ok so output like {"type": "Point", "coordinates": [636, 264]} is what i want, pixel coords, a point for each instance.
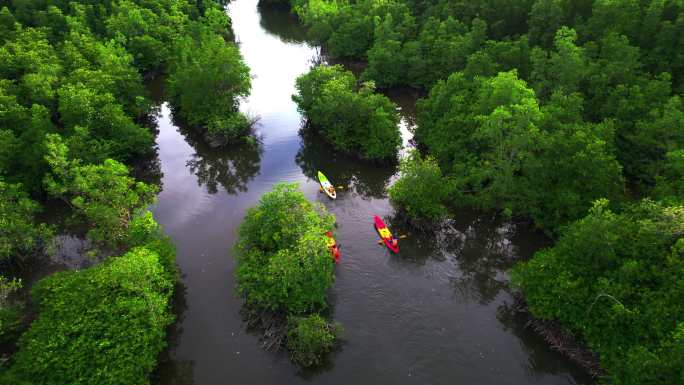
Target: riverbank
{"type": "Point", "coordinates": [558, 339]}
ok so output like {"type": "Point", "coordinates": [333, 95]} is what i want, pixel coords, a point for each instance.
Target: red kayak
{"type": "Point", "coordinates": [391, 242]}
{"type": "Point", "coordinates": [333, 246]}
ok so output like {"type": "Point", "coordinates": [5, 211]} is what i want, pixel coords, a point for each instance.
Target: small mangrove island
{"type": "Point", "coordinates": [284, 270]}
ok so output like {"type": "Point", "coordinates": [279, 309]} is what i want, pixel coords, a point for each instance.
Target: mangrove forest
{"type": "Point", "coordinates": [341, 191]}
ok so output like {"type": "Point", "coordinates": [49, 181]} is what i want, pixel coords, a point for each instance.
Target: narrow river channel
{"type": "Point", "coordinates": [430, 315]}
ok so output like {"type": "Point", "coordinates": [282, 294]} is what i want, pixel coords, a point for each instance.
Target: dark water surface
{"type": "Point", "coordinates": [427, 316]}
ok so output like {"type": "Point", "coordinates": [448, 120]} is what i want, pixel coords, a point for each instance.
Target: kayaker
{"type": "Point", "coordinates": [394, 241]}
{"type": "Point", "coordinates": [331, 189]}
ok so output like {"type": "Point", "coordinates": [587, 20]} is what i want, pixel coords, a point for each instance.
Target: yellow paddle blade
{"type": "Point", "coordinates": [403, 236]}
{"type": "Point", "coordinates": [340, 187]}
{"type": "Point", "coordinates": [379, 242]}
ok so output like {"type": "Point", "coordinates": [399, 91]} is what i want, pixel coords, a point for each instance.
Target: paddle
{"type": "Point", "coordinates": [404, 236]}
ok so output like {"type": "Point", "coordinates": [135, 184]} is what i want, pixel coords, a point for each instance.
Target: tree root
{"type": "Point", "coordinates": [271, 325]}
{"type": "Point", "coordinates": [558, 338]}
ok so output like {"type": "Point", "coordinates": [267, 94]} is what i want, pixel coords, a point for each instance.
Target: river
{"type": "Point", "coordinates": [430, 315]}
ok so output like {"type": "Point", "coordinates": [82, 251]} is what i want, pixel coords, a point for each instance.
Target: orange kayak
{"type": "Point", "coordinates": [334, 247]}
{"type": "Point", "coordinates": [386, 235]}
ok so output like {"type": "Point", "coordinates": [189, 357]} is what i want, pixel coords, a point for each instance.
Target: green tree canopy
{"type": "Point", "coordinates": [354, 120]}
{"type": "Point", "coordinates": [20, 235]}
{"type": "Point", "coordinates": [498, 146]}
{"type": "Point", "coordinates": [104, 195]}
{"type": "Point", "coordinates": [103, 325]}
{"type": "Point", "coordinates": [208, 65]}
{"type": "Point", "coordinates": [421, 190]}
{"type": "Point", "coordinates": [283, 261]}
{"type": "Point", "coordinates": [616, 279]}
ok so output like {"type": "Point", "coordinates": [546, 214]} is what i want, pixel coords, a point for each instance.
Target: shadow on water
{"type": "Point", "coordinates": [540, 361]}
{"type": "Point", "coordinates": [364, 179]}
{"type": "Point", "coordinates": [170, 370]}
{"type": "Point", "coordinates": [278, 21]}
{"type": "Point", "coordinates": [480, 247]}
{"type": "Point", "coordinates": [230, 167]}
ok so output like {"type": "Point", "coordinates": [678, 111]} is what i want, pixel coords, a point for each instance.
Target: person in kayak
{"type": "Point", "coordinates": [394, 241]}
{"type": "Point", "coordinates": [331, 189]}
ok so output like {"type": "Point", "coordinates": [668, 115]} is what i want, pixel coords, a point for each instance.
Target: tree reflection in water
{"type": "Point", "coordinates": [231, 166]}
{"type": "Point", "coordinates": [480, 247]}
{"type": "Point", "coordinates": [277, 20]}
{"type": "Point", "coordinates": [170, 370]}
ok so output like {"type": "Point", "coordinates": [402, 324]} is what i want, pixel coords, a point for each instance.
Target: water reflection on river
{"type": "Point", "coordinates": [426, 316]}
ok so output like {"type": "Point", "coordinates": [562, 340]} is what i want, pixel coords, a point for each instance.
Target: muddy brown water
{"type": "Point", "coordinates": [430, 315]}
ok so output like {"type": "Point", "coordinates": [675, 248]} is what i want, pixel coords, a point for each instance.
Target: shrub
{"type": "Point", "coordinates": [206, 79]}
{"type": "Point", "coordinates": [144, 231]}
{"type": "Point", "coordinates": [10, 313]}
{"type": "Point", "coordinates": [669, 184]}
{"type": "Point", "coordinates": [310, 338]}
{"type": "Point", "coordinates": [283, 261]}
{"type": "Point", "coordinates": [616, 280]}
{"type": "Point", "coordinates": [356, 121]}
{"type": "Point", "coordinates": [421, 190]}
{"type": "Point", "coordinates": [104, 194]}
{"type": "Point", "coordinates": [19, 234]}
{"type": "Point", "coordinates": [103, 325]}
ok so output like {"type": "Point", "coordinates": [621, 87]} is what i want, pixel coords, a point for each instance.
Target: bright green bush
{"type": "Point", "coordinates": [617, 281]}
{"type": "Point", "coordinates": [340, 26]}
{"type": "Point", "coordinates": [103, 325]}
{"type": "Point", "coordinates": [421, 190]}
{"type": "Point", "coordinates": [356, 121]}
{"type": "Point", "coordinates": [144, 231]}
{"type": "Point", "coordinates": [104, 195]}
{"type": "Point", "coordinates": [10, 312]}
{"type": "Point", "coordinates": [310, 339]}
{"type": "Point", "coordinates": [283, 261]}
{"type": "Point", "coordinates": [208, 65]}
{"type": "Point", "coordinates": [19, 234]}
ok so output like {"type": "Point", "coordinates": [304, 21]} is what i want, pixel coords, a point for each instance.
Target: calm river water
{"type": "Point", "coordinates": [430, 315]}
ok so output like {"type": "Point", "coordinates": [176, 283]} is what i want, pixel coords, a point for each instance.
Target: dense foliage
{"type": "Point", "coordinates": [670, 183]}
{"type": "Point", "coordinates": [512, 154]}
{"type": "Point", "coordinates": [352, 118]}
{"type": "Point", "coordinates": [421, 191]}
{"type": "Point", "coordinates": [103, 194]}
{"type": "Point", "coordinates": [104, 325]}
{"type": "Point", "coordinates": [73, 113]}
{"type": "Point", "coordinates": [76, 69]}
{"type": "Point", "coordinates": [617, 280]}
{"type": "Point", "coordinates": [283, 261]}
{"type": "Point", "coordinates": [10, 311]}
{"type": "Point", "coordinates": [539, 108]}
{"type": "Point", "coordinates": [609, 72]}
{"type": "Point", "coordinates": [207, 78]}
{"type": "Point", "coordinates": [19, 234]}
{"type": "Point", "coordinates": [310, 338]}
{"type": "Point", "coordinates": [285, 266]}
